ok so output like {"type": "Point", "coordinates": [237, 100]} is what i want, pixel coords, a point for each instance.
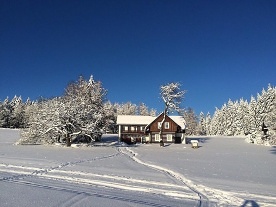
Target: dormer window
{"type": "Point", "coordinates": [166, 125]}
{"type": "Point", "coordinates": [159, 125]}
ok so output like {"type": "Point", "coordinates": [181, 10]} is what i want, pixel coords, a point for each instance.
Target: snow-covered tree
{"type": "Point", "coordinates": [223, 120]}
{"type": "Point", "coordinates": [231, 117]}
{"type": "Point", "coordinates": [208, 120]}
{"type": "Point", "coordinates": [172, 96]}
{"type": "Point", "coordinates": [191, 121]}
{"type": "Point", "coordinates": [28, 105]}
{"type": "Point", "coordinates": [243, 126]}
{"type": "Point", "coordinates": [214, 127]}
{"type": "Point", "coordinates": [152, 112]}
{"type": "Point", "coordinates": [254, 115]}
{"type": "Point", "coordinates": [202, 124]}
{"type": "Point", "coordinates": [82, 108]}
{"type": "Point", "coordinates": [267, 105]}
{"type": "Point", "coordinates": [17, 116]}
{"type": "Point", "coordinates": [12, 113]}
{"type": "Point", "coordinates": [126, 108]}
{"type": "Point", "coordinates": [110, 117]}
{"type": "Point", "coordinates": [242, 118]}
{"type": "Point", "coordinates": [143, 109]}
{"type": "Point", "coordinates": [5, 113]}
{"type": "Point", "coordinates": [78, 114]}
{"type": "Point", "coordinates": [41, 117]}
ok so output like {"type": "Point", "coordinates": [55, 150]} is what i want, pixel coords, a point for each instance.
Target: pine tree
{"type": "Point", "coordinates": [202, 124]}
{"type": "Point", "coordinates": [208, 121]}
{"type": "Point", "coordinates": [242, 118]}
{"type": "Point", "coordinates": [5, 113]}
{"type": "Point", "coordinates": [191, 121]}
{"type": "Point", "coordinates": [109, 117]}
{"type": "Point", "coordinates": [143, 110]}
{"type": "Point", "coordinates": [218, 121]}
{"type": "Point", "coordinates": [243, 126]}
{"type": "Point", "coordinates": [17, 113]}
{"type": "Point", "coordinates": [152, 112]}
{"type": "Point", "coordinates": [231, 118]}
{"type": "Point", "coordinates": [267, 103]}
{"type": "Point", "coordinates": [254, 116]}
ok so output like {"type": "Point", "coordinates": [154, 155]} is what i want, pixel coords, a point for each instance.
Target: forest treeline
{"type": "Point", "coordinates": [83, 111]}
{"type": "Point", "coordinates": [241, 117]}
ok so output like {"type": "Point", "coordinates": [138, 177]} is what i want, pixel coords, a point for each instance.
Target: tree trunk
{"type": "Point", "coordinates": [162, 123]}
{"type": "Point", "coordinates": [68, 141]}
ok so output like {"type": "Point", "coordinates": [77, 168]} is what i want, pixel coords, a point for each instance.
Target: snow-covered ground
{"type": "Point", "coordinates": [223, 171]}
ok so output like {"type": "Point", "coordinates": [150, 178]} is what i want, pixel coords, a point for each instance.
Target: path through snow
{"type": "Point", "coordinates": [207, 196]}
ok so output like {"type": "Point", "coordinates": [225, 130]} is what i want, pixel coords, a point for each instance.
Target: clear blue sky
{"type": "Point", "coordinates": [216, 49]}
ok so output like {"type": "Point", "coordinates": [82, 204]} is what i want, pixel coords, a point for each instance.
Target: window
{"type": "Point", "coordinates": [157, 137]}
{"type": "Point", "coordinates": [169, 137]}
{"type": "Point", "coordinates": [159, 125]}
{"type": "Point", "coordinates": [125, 128]}
{"type": "Point", "coordinates": [167, 125]}
{"type": "Point", "coordinates": [132, 128]}
{"type": "Point", "coordinates": [142, 128]}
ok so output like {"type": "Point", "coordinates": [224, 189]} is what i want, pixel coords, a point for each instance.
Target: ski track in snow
{"type": "Point", "coordinates": [81, 195]}
{"type": "Point", "coordinates": [129, 184]}
{"type": "Point", "coordinates": [19, 173]}
{"type": "Point", "coordinates": [205, 196]}
{"type": "Point", "coordinates": [40, 171]}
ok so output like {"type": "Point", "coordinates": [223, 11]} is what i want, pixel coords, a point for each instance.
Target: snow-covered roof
{"type": "Point", "coordinates": [179, 120]}
{"type": "Point", "coordinates": [146, 120]}
{"type": "Point", "coordinates": [134, 119]}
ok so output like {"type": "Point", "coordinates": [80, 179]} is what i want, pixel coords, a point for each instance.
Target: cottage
{"type": "Point", "coordinates": [133, 128]}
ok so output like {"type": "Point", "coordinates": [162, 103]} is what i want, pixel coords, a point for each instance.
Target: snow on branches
{"type": "Point", "coordinates": [243, 117]}
{"type": "Point", "coordinates": [79, 114]}
{"type": "Point", "coordinates": [172, 96]}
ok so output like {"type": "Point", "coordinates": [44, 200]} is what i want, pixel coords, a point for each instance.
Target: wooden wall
{"type": "Point", "coordinates": [154, 126]}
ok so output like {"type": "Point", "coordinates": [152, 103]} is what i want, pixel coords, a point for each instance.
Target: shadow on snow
{"type": "Point", "coordinates": [250, 203]}
{"type": "Point", "coordinates": [273, 150]}
{"type": "Point", "coordinates": [90, 193]}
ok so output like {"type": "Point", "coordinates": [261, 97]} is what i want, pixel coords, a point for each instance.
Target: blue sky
{"type": "Point", "coordinates": [216, 49]}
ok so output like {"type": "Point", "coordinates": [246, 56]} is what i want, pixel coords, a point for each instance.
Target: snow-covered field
{"type": "Point", "coordinates": [223, 171]}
